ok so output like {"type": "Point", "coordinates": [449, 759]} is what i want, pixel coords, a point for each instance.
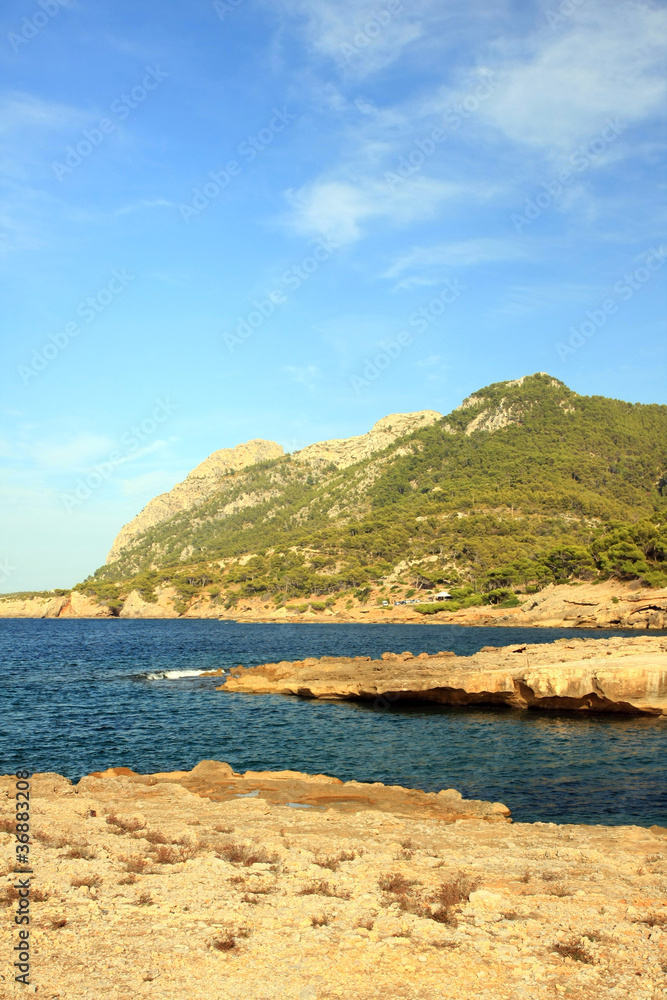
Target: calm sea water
{"type": "Point", "coordinates": [80, 696]}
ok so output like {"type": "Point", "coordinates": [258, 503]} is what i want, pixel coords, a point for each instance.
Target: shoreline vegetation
{"type": "Point", "coordinates": [603, 604]}
{"type": "Point", "coordinates": [267, 884]}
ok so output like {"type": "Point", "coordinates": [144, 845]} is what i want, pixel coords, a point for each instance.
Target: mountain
{"type": "Point", "coordinates": [525, 483]}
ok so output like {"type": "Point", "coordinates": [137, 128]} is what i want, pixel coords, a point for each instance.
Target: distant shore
{"type": "Point", "coordinates": [602, 605]}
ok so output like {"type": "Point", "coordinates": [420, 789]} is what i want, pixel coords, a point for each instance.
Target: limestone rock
{"type": "Point", "coordinates": [626, 675]}
{"type": "Point", "coordinates": [195, 488]}
{"type": "Point", "coordinates": [347, 451]}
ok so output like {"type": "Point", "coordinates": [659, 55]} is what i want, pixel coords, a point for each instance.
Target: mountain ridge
{"type": "Point", "coordinates": [525, 483]}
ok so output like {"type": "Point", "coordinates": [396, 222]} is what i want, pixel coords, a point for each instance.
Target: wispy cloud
{"type": "Point", "coordinates": [558, 90]}
{"type": "Point", "coordinates": [341, 209]}
{"type": "Point", "coordinates": [430, 261]}
{"type": "Point", "coordinates": [308, 375]}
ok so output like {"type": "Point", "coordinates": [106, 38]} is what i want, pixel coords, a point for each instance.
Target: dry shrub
{"type": "Point", "coordinates": [135, 864]}
{"type": "Point", "coordinates": [8, 895]}
{"type": "Point", "coordinates": [575, 950]}
{"type": "Point", "coordinates": [82, 852]}
{"type": "Point", "coordinates": [243, 854]}
{"type": "Point", "coordinates": [129, 879]}
{"type": "Point", "coordinates": [220, 828]}
{"type": "Point", "coordinates": [89, 880]}
{"type": "Point", "coordinates": [250, 899]}
{"type": "Point", "coordinates": [333, 863]}
{"type": "Point", "coordinates": [444, 915]}
{"type": "Point", "coordinates": [559, 890]}
{"type": "Point", "coordinates": [455, 891]}
{"type": "Point", "coordinates": [395, 883]}
{"type": "Point", "coordinates": [58, 921]}
{"type": "Point", "coordinates": [322, 888]}
{"type": "Point", "coordinates": [321, 921]}
{"type": "Point", "coordinates": [550, 876]}
{"type": "Point", "coordinates": [155, 837]}
{"type": "Point", "coordinates": [224, 942]}
{"type": "Point", "coordinates": [654, 920]}
{"type": "Point", "coordinates": [443, 944]}
{"type": "Point", "coordinates": [171, 854]}
{"type": "Point", "coordinates": [7, 825]}
{"type": "Point", "coordinates": [38, 895]}
{"type": "Point", "coordinates": [49, 839]}
{"type": "Point", "coordinates": [367, 922]}
{"type": "Point", "coordinates": [451, 894]}
{"type": "Point", "coordinates": [145, 899]}
{"type": "Point", "coordinates": [526, 877]}
{"type": "Point", "coordinates": [128, 824]}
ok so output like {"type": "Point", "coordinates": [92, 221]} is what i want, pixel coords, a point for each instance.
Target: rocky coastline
{"type": "Point", "coordinates": [602, 605]}
{"type": "Point", "coordinates": [272, 885]}
{"type": "Point", "coordinates": [625, 675]}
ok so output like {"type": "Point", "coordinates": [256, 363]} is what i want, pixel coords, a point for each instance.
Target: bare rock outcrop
{"type": "Point", "coordinates": [622, 675]}
{"type": "Point", "coordinates": [32, 607]}
{"type": "Point", "coordinates": [347, 451]}
{"type": "Point", "coordinates": [195, 488]}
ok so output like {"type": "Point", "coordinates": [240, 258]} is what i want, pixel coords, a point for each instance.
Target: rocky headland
{"type": "Point", "coordinates": [626, 675]}
{"type": "Point", "coordinates": [204, 884]}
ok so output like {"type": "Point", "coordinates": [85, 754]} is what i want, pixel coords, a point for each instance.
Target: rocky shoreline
{"type": "Point", "coordinates": [604, 605]}
{"type": "Point", "coordinates": [624, 675]}
{"type": "Point", "coordinates": [272, 885]}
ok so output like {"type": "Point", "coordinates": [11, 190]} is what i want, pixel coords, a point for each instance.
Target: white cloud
{"type": "Point", "coordinates": [20, 112]}
{"type": "Point", "coordinates": [608, 62]}
{"type": "Point", "coordinates": [465, 253]}
{"type": "Point", "coordinates": [360, 36]}
{"type": "Point", "coordinates": [140, 206]}
{"type": "Point", "coordinates": [309, 375]}
{"type": "Point", "coordinates": [339, 209]}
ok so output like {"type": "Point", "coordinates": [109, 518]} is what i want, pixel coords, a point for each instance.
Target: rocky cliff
{"type": "Point", "coordinates": [347, 451]}
{"type": "Point", "coordinates": [195, 488]}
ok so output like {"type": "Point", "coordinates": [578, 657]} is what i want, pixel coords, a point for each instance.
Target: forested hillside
{"type": "Point", "coordinates": [524, 484]}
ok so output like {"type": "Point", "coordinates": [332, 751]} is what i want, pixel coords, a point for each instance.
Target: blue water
{"type": "Point", "coordinates": [77, 698]}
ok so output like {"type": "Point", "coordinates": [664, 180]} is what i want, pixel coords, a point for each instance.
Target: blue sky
{"type": "Point", "coordinates": [215, 218]}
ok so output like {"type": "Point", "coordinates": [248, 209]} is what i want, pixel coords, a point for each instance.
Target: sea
{"type": "Point", "coordinates": [85, 695]}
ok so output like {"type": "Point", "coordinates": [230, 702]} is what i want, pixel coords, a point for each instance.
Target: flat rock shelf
{"type": "Point", "coordinates": [210, 883]}
{"type": "Point", "coordinates": [623, 675]}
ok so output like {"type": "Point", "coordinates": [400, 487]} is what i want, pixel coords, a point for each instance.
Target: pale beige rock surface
{"type": "Point", "coordinates": [195, 488]}
{"type": "Point", "coordinates": [172, 886]}
{"type": "Point", "coordinates": [624, 674]}
{"type": "Point", "coordinates": [347, 451]}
